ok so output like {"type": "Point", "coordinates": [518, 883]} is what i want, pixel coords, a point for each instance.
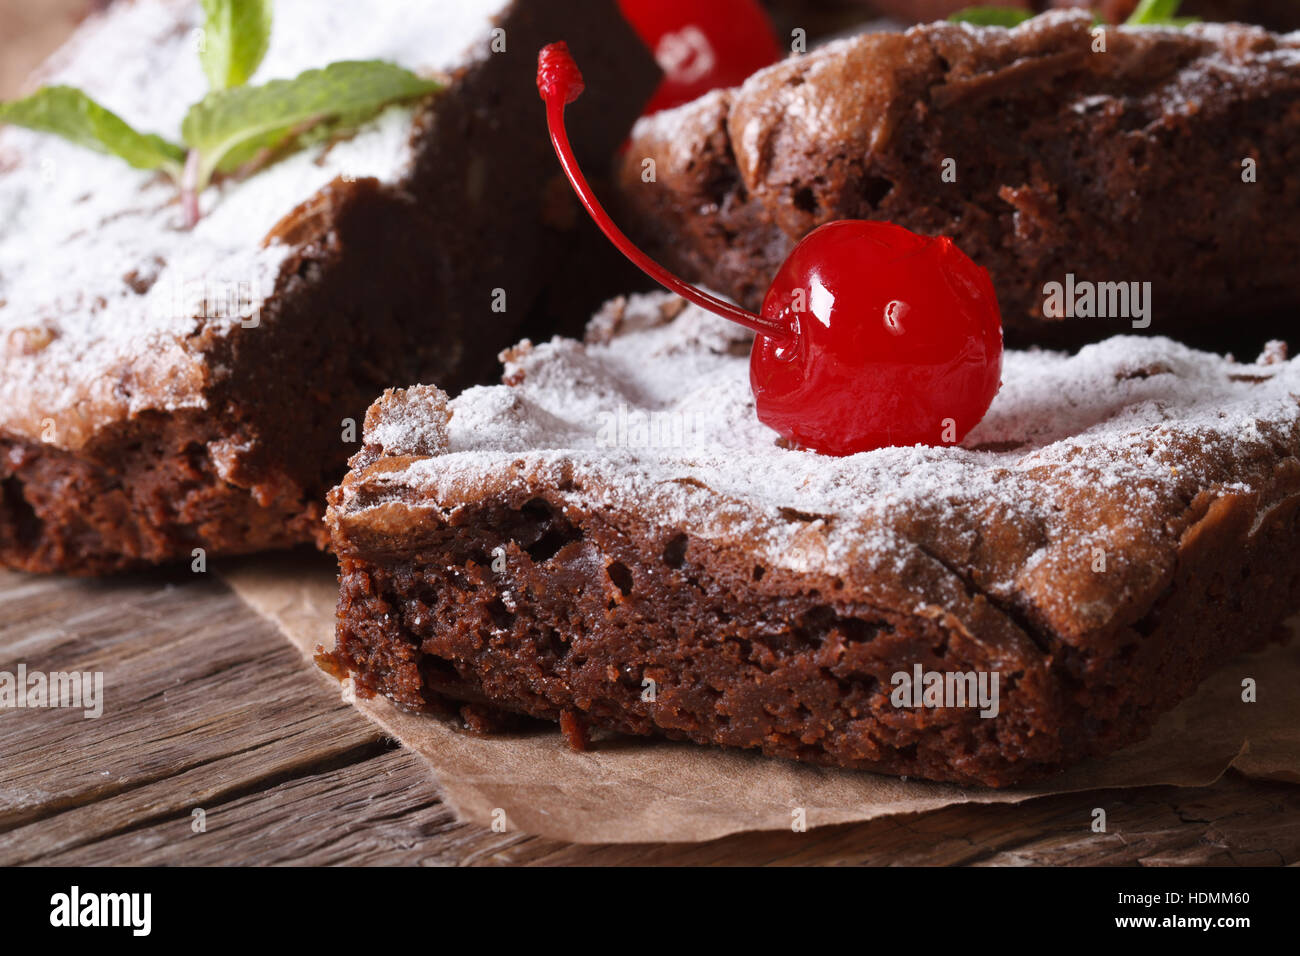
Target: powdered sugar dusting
{"type": "Point", "coordinates": [94, 269]}
{"type": "Point", "coordinates": [413, 422]}
{"type": "Point", "coordinates": [1220, 59]}
{"type": "Point", "coordinates": [1083, 451]}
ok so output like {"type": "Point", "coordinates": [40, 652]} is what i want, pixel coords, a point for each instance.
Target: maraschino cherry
{"type": "Point", "coordinates": [701, 46]}
{"type": "Point", "coordinates": [870, 335]}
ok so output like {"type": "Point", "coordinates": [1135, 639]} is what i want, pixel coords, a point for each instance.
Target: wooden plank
{"type": "Point", "coordinates": [202, 700]}
{"type": "Point", "coordinates": [382, 811]}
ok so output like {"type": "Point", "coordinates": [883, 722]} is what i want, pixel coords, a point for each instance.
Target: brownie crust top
{"type": "Point", "coordinates": [850, 95]}
{"type": "Point", "coordinates": [1051, 148]}
{"type": "Point", "coordinates": [107, 306]}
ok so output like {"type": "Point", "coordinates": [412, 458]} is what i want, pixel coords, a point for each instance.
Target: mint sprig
{"type": "Point", "coordinates": [70, 113]}
{"type": "Point", "coordinates": [229, 121]}
{"type": "Point", "coordinates": [991, 16]}
{"type": "Point", "coordinates": [235, 128]}
{"type": "Point", "coordinates": [1158, 13]}
{"type": "Point", "coordinates": [1148, 13]}
{"type": "Point", "coordinates": [235, 38]}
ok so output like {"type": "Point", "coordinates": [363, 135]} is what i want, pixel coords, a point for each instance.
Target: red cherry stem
{"type": "Point", "coordinates": [560, 82]}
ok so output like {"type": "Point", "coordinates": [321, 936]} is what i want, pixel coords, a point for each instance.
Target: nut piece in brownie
{"type": "Point", "coordinates": [163, 390]}
{"type": "Point", "coordinates": [1128, 166]}
{"type": "Point", "coordinates": [613, 539]}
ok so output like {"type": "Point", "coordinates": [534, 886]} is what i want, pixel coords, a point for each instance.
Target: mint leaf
{"type": "Point", "coordinates": [230, 122]}
{"type": "Point", "coordinates": [991, 16]}
{"type": "Point", "coordinates": [260, 150]}
{"type": "Point", "coordinates": [235, 38]}
{"type": "Point", "coordinates": [70, 113]}
{"type": "Point", "coordinates": [1157, 13]}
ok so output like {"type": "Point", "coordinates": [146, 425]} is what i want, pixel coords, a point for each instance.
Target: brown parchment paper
{"type": "Point", "coordinates": [639, 790]}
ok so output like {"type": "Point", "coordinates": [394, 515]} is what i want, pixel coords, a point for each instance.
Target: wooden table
{"type": "Point", "coordinates": [207, 707]}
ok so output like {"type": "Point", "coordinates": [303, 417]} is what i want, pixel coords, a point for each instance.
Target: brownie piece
{"type": "Point", "coordinates": [164, 390]}
{"type": "Point", "coordinates": [1281, 15]}
{"type": "Point", "coordinates": [1123, 166]}
{"type": "Point", "coordinates": [612, 539]}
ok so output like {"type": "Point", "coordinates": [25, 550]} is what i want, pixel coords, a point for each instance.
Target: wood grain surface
{"type": "Point", "coordinates": [207, 708]}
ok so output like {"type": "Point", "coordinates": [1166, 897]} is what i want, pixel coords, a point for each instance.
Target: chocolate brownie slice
{"type": "Point", "coordinates": [613, 540]}
{"type": "Point", "coordinates": [1167, 159]}
{"type": "Point", "coordinates": [164, 390]}
{"type": "Point", "coordinates": [1280, 15]}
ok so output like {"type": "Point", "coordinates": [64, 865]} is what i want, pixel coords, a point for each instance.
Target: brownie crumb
{"type": "Point", "coordinates": [575, 730]}
{"type": "Point", "coordinates": [485, 720]}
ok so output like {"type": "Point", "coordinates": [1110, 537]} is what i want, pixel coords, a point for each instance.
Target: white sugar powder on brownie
{"type": "Point", "coordinates": [1141, 413]}
{"type": "Point", "coordinates": [94, 267]}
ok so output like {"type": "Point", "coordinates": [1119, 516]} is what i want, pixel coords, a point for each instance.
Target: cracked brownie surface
{"type": "Point", "coordinates": [615, 520]}
{"type": "Point", "coordinates": [1124, 165]}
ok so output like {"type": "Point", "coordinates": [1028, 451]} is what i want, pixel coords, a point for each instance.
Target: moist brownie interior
{"type": "Point", "coordinates": [164, 390]}
{"type": "Point", "coordinates": [614, 518]}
